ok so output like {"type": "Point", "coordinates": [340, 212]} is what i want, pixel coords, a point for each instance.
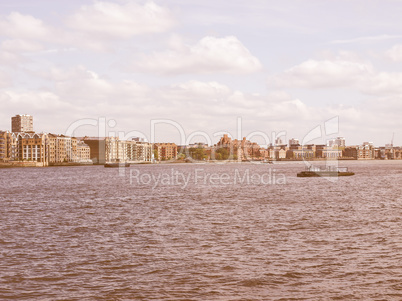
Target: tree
{"type": "Point", "coordinates": [222, 154]}
{"type": "Point", "coordinates": [198, 153]}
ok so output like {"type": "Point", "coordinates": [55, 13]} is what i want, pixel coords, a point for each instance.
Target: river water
{"type": "Point", "coordinates": [201, 232]}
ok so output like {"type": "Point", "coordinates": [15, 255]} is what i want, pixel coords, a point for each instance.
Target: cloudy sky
{"type": "Point", "coordinates": [279, 66]}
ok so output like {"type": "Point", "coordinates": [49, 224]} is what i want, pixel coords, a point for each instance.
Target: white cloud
{"type": "Point", "coordinates": [196, 105]}
{"type": "Point", "coordinates": [113, 21]}
{"type": "Point", "coordinates": [367, 39]}
{"type": "Point", "coordinates": [395, 53]}
{"type": "Point", "coordinates": [19, 45]}
{"type": "Point", "coordinates": [78, 73]}
{"type": "Point", "coordinates": [91, 27]}
{"type": "Point", "coordinates": [5, 80]}
{"type": "Point", "coordinates": [19, 26]}
{"type": "Point", "coordinates": [85, 87]}
{"type": "Point", "coordinates": [9, 59]}
{"type": "Point", "coordinates": [323, 74]}
{"type": "Point", "coordinates": [209, 55]}
{"type": "Point", "coordinates": [205, 91]}
{"type": "Point", "coordinates": [26, 35]}
{"type": "Point", "coordinates": [337, 73]}
{"type": "Point", "coordinates": [382, 83]}
{"type": "Point", "coordinates": [12, 52]}
{"type": "Point", "coordinates": [38, 101]}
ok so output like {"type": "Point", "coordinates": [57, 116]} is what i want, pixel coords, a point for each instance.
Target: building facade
{"type": "Point", "coordinates": [22, 123]}
{"type": "Point", "coordinates": [340, 142]}
{"type": "Point", "coordinates": [33, 147]}
{"type": "Point", "coordinates": [82, 152]}
{"type": "Point", "coordinates": [138, 151]}
{"type": "Point", "coordinates": [366, 151]}
{"type": "Point", "coordinates": [112, 149]}
{"type": "Point", "coordinates": [144, 152]}
{"type": "Point", "coordinates": [165, 151]}
{"type": "Point", "coordinates": [5, 147]}
{"type": "Point", "coordinates": [241, 150]}
{"type": "Point", "coordinates": [294, 141]}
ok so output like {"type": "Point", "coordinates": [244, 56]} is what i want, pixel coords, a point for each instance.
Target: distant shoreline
{"type": "Point", "coordinates": [67, 164]}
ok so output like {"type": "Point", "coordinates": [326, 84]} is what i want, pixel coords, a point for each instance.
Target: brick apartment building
{"type": "Point", "coordinates": [165, 151]}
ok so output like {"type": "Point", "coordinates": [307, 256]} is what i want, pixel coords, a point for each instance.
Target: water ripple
{"type": "Point", "coordinates": [84, 233]}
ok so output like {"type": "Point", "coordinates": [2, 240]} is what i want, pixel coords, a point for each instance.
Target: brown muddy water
{"type": "Point", "coordinates": [201, 232]}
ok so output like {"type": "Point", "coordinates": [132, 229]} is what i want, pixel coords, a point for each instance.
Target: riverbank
{"type": "Point", "coordinates": [180, 161]}
{"type": "Point", "coordinates": [21, 164]}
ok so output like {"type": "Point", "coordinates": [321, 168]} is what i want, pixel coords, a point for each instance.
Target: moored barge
{"type": "Point", "coordinates": [329, 171]}
{"type": "Point", "coordinates": [117, 164]}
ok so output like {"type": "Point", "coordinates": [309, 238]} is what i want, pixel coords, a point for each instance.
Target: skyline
{"type": "Point", "coordinates": [328, 130]}
{"type": "Point", "coordinates": [281, 67]}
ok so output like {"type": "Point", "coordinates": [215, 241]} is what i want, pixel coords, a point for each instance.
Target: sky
{"type": "Point", "coordinates": [187, 71]}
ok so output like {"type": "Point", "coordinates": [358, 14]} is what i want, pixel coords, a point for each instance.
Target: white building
{"type": "Point", "coordinates": [294, 141]}
{"type": "Point", "coordinates": [22, 123]}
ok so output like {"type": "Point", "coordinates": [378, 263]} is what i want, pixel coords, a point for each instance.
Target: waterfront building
{"type": "Point", "coordinates": [5, 147]}
{"type": "Point", "coordinates": [97, 149]}
{"type": "Point", "coordinates": [332, 152]}
{"type": "Point", "coordinates": [165, 151]}
{"type": "Point", "coordinates": [340, 142]}
{"type": "Point", "coordinates": [82, 152]}
{"type": "Point", "coordinates": [13, 146]}
{"type": "Point", "coordinates": [388, 152]}
{"type": "Point", "coordinates": [264, 154]}
{"type": "Point", "coordinates": [33, 147]}
{"type": "Point", "coordinates": [397, 153]}
{"type": "Point", "coordinates": [277, 152]}
{"type": "Point", "coordinates": [281, 153]}
{"type": "Point", "coordinates": [391, 152]}
{"type": "Point", "coordinates": [108, 149]}
{"type": "Point", "coordinates": [294, 141]}
{"type": "Point", "coordinates": [226, 148]}
{"type": "Point", "coordinates": [299, 152]}
{"type": "Point", "coordinates": [144, 151]}
{"type": "Point", "coordinates": [64, 149]}
{"type": "Point", "coordinates": [74, 152]}
{"type": "Point", "coordinates": [303, 153]}
{"type": "Point", "coordinates": [138, 151]}
{"type": "Point", "coordinates": [52, 147]}
{"type": "Point", "coordinates": [271, 152]}
{"type": "Point", "coordinates": [242, 150]}
{"type": "Point", "coordinates": [366, 151]}
{"type": "Point", "coordinates": [131, 150]}
{"type": "Point", "coordinates": [112, 149]}
{"type": "Point", "coordinates": [23, 144]}
{"type": "Point", "coordinates": [105, 149]}
{"type": "Point", "coordinates": [350, 152]}
{"type": "Point", "coordinates": [22, 123]}
{"type": "Point", "coordinates": [59, 148]}
{"type": "Point", "coordinates": [280, 141]}
{"type": "Point", "coordinates": [294, 150]}
{"type": "Point", "coordinates": [319, 150]}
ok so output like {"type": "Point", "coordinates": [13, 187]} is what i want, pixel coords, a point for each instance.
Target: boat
{"type": "Point", "coordinates": [117, 164]}
{"type": "Point", "coordinates": [267, 161]}
{"type": "Point", "coordinates": [329, 171]}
